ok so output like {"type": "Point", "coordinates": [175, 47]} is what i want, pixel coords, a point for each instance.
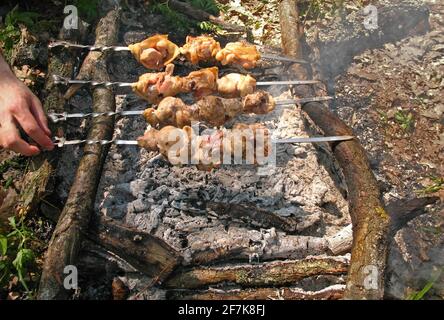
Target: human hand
{"type": "Point", "coordinates": [19, 107]}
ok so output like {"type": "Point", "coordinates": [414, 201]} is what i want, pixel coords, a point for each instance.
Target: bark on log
{"type": "Point", "coordinates": [38, 182]}
{"type": "Point", "coordinates": [334, 292]}
{"type": "Point", "coordinates": [65, 243]}
{"type": "Point", "coordinates": [278, 273]}
{"type": "Point", "coordinates": [369, 218]}
{"type": "Point", "coordinates": [143, 251]}
{"type": "Point", "coordinates": [400, 211]}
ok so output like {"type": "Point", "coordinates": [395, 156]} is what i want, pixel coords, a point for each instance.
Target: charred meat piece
{"type": "Point", "coordinates": [239, 53]}
{"type": "Point", "coordinates": [201, 48]}
{"type": "Point", "coordinates": [155, 52]}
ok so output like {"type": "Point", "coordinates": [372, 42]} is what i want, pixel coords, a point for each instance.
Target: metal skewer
{"type": "Point", "coordinates": [122, 48]}
{"type": "Point", "coordinates": [61, 142]}
{"type": "Point", "coordinates": [57, 117]}
{"type": "Point", "coordinates": [87, 47]}
{"type": "Point", "coordinates": [58, 79]}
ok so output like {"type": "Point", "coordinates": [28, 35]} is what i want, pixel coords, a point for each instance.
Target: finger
{"type": "Point", "coordinates": [28, 123]}
{"type": "Point", "coordinates": [39, 114]}
{"type": "Point", "coordinates": [10, 139]}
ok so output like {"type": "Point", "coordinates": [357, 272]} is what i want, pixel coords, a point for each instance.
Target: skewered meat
{"type": "Point", "coordinates": [155, 52]}
{"type": "Point", "coordinates": [215, 111]}
{"type": "Point", "coordinates": [236, 85]}
{"type": "Point", "coordinates": [243, 54]}
{"type": "Point", "coordinates": [154, 86]}
{"type": "Point", "coordinates": [202, 82]}
{"type": "Point", "coordinates": [259, 103]}
{"type": "Point", "coordinates": [244, 143]}
{"type": "Point", "coordinates": [201, 48]}
{"type": "Point", "coordinates": [171, 111]}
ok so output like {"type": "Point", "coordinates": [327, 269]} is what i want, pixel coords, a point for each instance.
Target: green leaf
{"type": "Point", "coordinates": [12, 222]}
{"type": "Point", "coordinates": [3, 245]}
{"type": "Point", "coordinates": [24, 258]}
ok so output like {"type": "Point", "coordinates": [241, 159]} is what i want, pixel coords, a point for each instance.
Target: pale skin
{"type": "Point", "coordinates": [20, 108]}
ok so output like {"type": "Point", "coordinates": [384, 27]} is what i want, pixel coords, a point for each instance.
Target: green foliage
{"type": "Point", "coordinates": [10, 32]}
{"type": "Point", "coordinates": [14, 17]}
{"type": "Point", "coordinates": [437, 185]}
{"type": "Point", "coordinates": [429, 285]}
{"type": "Point", "coordinates": [181, 22]}
{"type": "Point", "coordinates": [207, 26]}
{"type": "Point", "coordinates": [209, 6]}
{"type": "Point", "coordinates": [17, 259]}
{"type": "Point", "coordinates": [174, 18]}
{"type": "Point", "coordinates": [405, 120]}
{"type": "Point", "coordinates": [18, 163]}
{"type": "Point", "coordinates": [87, 9]}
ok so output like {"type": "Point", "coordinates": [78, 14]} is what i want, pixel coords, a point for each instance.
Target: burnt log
{"type": "Point", "coordinates": [334, 292]}
{"type": "Point", "coordinates": [146, 253]}
{"type": "Point", "coordinates": [370, 220]}
{"type": "Point", "coordinates": [254, 215]}
{"type": "Point", "coordinates": [277, 273]}
{"type": "Point", "coordinates": [74, 220]}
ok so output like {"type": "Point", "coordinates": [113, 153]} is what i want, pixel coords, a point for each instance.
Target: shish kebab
{"type": "Point", "coordinates": [211, 110]}
{"type": "Point", "coordinates": [157, 51]}
{"type": "Point", "coordinates": [183, 146]}
{"type": "Point", "coordinates": [153, 87]}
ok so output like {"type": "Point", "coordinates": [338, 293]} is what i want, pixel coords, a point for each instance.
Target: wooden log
{"type": "Point", "coordinates": [334, 292]}
{"type": "Point", "coordinates": [65, 243]}
{"type": "Point", "coordinates": [38, 182]}
{"type": "Point", "coordinates": [148, 254]}
{"type": "Point", "coordinates": [369, 218]}
{"type": "Point", "coordinates": [215, 245]}
{"type": "Point", "coordinates": [279, 273]}
{"type": "Point", "coordinates": [342, 241]}
{"type": "Point", "coordinates": [401, 211]}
